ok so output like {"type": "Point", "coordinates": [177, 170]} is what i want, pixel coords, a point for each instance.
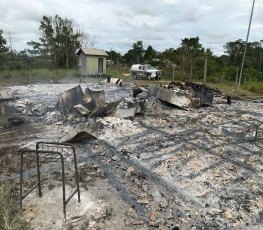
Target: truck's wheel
{"type": "Point", "coordinates": [157, 77]}
{"type": "Point", "coordinates": [149, 76]}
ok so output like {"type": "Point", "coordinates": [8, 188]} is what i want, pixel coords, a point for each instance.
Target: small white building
{"type": "Point", "coordinates": [91, 61]}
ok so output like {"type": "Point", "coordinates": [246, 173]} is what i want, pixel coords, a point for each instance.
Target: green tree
{"type": "Point", "coordinates": [58, 41]}
{"type": "Point", "coordinates": [47, 36]}
{"type": "Point", "coordinates": [36, 48]}
{"type": "Point", "coordinates": [208, 52]}
{"type": "Point", "coordinates": [136, 54]}
{"type": "Point", "coordinates": [254, 55]}
{"type": "Point", "coordinates": [253, 59]}
{"type": "Point", "coordinates": [3, 50]}
{"type": "Point", "coordinates": [138, 51]}
{"type": "Point", "coordinates": [3, 47]}
{"type": "Point", "coordinates": [189, 50]}
{"type": "Point", "coordinates": [235, 51]}
{"type": "Point", "coordinates": [65, 40]}
{"type": "Point", "coordinates": [169, 55]}
{"type": "Point", "coordinates": [150, 54]}
{"type": "Point", "coordinates": [114, 56]}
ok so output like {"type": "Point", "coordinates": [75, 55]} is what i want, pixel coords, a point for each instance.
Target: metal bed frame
{"type": "Point", "coordinates": [47, 152]}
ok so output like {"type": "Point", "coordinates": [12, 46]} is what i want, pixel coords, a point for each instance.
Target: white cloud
{"type": "Point", "coordinates": [118, 24]}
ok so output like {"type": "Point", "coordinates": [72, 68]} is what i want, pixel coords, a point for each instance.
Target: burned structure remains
{"type": "Point", "coordinates": [180, 156]}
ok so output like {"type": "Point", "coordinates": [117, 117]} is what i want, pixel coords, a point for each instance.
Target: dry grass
{"type": "Point", "coordinates": [9, 212]}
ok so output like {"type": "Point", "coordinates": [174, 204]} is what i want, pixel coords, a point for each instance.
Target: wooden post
{"type": "Point", "coordinates": [205, 71]}
{"type": "Point", "coordinates": [173, 65]}
{"type": "Point", "coordinates": [173, 73]}
{"type": "Point", "coordinates": [191, 71]}
{"type": "Point", "coordinates": [183, 66]}
{"type": "Point", "coordinates": [236, 82]}
{"type": "Point", "coordinates": [260, 61]}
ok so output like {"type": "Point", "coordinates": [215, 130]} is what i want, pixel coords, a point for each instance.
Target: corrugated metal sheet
{"type": "Point", "coordinates": [92, 51]}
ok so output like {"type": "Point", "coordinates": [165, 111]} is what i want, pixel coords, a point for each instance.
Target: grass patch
{"type": "Point", "coordinates": [119, 71]}
{"type": "Point", "coordinates": [35, 75]}
{"type": "Point", "coordinates": [249, 90]}
{"type": "Point", "coordinates": [254, 87]}
{"type": "Point", "coordinates": [10, 218]}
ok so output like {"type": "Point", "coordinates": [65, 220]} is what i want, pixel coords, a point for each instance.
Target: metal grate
{"type": "Point", "coordinates": [47, 152]}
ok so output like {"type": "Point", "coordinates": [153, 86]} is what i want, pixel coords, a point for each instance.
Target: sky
{"type": "Point", "coordinates": [117, 24]}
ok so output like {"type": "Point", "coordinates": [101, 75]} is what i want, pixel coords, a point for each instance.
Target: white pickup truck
{"type": "Point", "coordinates": [145, 72]}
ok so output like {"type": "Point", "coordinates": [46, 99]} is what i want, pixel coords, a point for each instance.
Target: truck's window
{"type": "Point", "coordinates": [140, 67]}
{"type": "Point", "coordinates": [150, 67]}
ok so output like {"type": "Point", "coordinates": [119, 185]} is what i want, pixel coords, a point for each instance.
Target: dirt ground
{"type": "Point", "coordinates": [199, 168]}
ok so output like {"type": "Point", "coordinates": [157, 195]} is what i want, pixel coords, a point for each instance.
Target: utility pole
{"type": "Point", "coordinates": [244, 55]}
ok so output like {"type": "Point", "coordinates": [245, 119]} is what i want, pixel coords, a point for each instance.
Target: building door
{"type": "Point", "coordinates": [100, 65]}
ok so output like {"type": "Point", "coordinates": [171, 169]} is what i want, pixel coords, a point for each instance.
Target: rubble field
{"type": "Point", "coordinates": [164, 168]}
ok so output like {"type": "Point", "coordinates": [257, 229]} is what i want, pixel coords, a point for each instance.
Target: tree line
{"type": "Point", "coordinates": [61, 37]}
{"type": "Point", "coordinates": [190, 56]}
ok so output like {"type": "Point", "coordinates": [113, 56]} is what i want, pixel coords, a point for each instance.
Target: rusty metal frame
{"type": "Point", "coordinates": [47, 152]}
{"type": "Point", "coordinates": [256, 124]}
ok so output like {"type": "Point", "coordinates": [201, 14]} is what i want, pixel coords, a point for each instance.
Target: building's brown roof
{"type": "Point", "coordinates": [92, 51]}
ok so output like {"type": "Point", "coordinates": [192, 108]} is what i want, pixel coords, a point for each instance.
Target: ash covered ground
{"type": "Point", "coordinates": [199, 168]}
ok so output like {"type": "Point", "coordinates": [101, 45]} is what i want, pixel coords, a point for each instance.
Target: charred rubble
{"type": "Point", "coordinates": [180, 156]}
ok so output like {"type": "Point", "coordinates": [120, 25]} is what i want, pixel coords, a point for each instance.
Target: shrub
{"type": "Point", "coordinates": [252, 89]}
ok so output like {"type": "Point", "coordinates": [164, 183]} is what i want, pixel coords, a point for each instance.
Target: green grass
{"type": "Point", "coordinates": [226, 87]}
{"type": "Point", "coordinates": [249, 89]}
{"type": "Point", "coordinates": [119, 71]}
{"type": "Point", "coordinates": [35, 75]}
{"type": "Point", "coordinates": [254, 87]}
{"type": "Point", "coordinates": [10, 218]}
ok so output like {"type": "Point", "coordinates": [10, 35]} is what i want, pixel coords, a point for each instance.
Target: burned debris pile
{"type": "Point", "coordinates": [68, 99]}
{"type": "Point", "coordinates": [158, 157]}
{"type": "Point", "coordinates": [150, 100]}
{"type": "Point", "coordinates": [77, 105]}
{"type": "Point", "coordinates": [184, 94]}
{"type": "Point", "coordinates": [92, 103]}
